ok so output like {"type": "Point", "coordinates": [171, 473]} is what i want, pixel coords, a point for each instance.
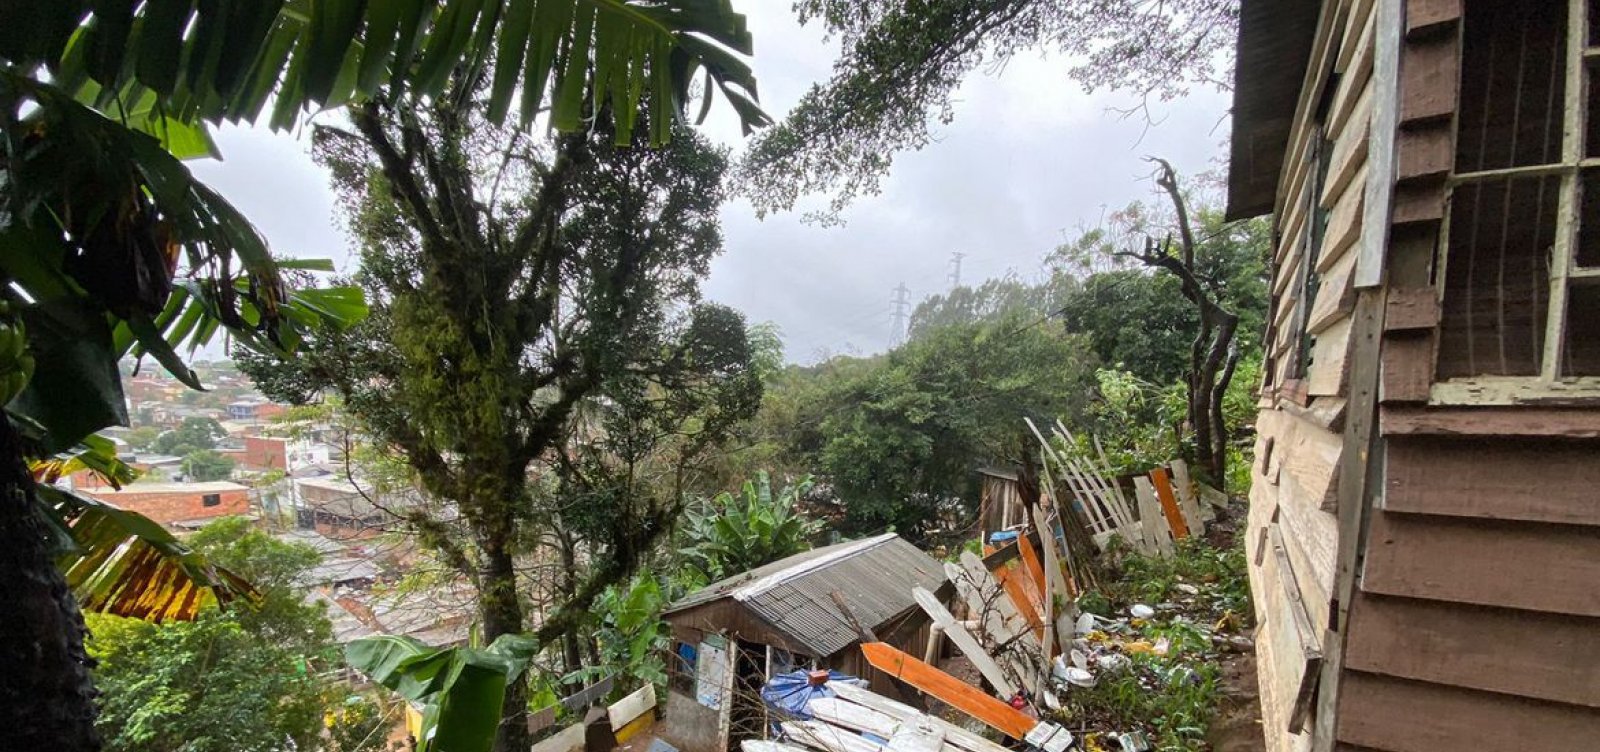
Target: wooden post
{"type": "Point", "coordinates": [935, 638]}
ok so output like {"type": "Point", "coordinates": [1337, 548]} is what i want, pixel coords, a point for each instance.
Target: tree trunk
{"type": "Point", "coordinates": [47, 695]}
{"type": "Point", "coordinates": [501, 612]}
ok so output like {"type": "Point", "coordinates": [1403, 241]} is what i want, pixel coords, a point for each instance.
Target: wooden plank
{"type": "Point", "coordinates": [1169, 503]}
{"type": "Point", "coordinates": [1356, 75]}
{"type": "Point", "coordinates": [1349, 152]}
{"type": "Point", "coordinates": [1157, 532]}
{"type": "Point", "coordinates": [1416, 204]}
{"type": "Point", "coordinates": [1183, 485]}
{"type": "Point", "coordinates": [1523, 565]}
{"type": "Point", "coordinates": [953, 734]}
{"type": "Point", "coordinates": [1344, 225]}
{"type": "Point", "coordinates": [1357, 457]}
{"type": "Point", "coordinates": [1057, 589]}
{"type": "Point", "coordinates": [1507, 479]}
{"type": "Point", "coordinates": [1032, 567]}
{"type": "Point", "coordinates": [963, 640]}
{"type": "Point", "coordinates": [825, 738]}
{"type": "Point", "coordinates": [852, 716]}
{"type": "Point", "coordinates": [1544, 422]}
{"type": "Point", "coordinates": [1411, 308]}
{"type": "Point", "coordinates": [762, 745]}
{"type": "Point", "coordinates": [1020, 598]}
{"type": "Point", "coordinates": [1407, 716]}
{"type": "Point", "coordinates": [948, 689]}
{"type": "Point", "coordinates": [1335, 297]}
{"type": "Point", "coordinates": [1428, 17]}
{"type": "Point", "coordinates": [995, 596]}
{"type": "Point", "coordinates": [916, 737]}
{"type": "Point", "coordinates": [1379, 186]}
{"type": "Point", "coordinates": [1328, 361]}
{"type": "Point", "coordinates": [630, 708]}
{"type": "Point", "coordinates": [1428, 78]}
{"type": "Point", "coordinates": [1407, 368]}
{"type": "Point", "coordinates": [1308, 457]}
{"type": "Point", "coordinates": [1544, 656]}
{"type": "Point", "coordinates": [1425, 152]}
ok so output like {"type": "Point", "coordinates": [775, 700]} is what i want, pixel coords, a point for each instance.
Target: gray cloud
{"type": "Point", "coordinates": [1028, 160]}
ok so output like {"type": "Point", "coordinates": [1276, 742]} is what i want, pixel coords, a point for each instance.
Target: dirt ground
{"type": "Point", "coordinates": [1237, 727]}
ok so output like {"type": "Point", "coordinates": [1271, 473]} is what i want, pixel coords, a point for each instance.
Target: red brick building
{"type": "Point", "coordinates": [168, 503]}
{"type": "Point", "coordinates": [264, 453]}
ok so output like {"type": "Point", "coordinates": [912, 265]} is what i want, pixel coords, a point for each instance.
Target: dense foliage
{"type": "Point", "coordinates": [238, 680]}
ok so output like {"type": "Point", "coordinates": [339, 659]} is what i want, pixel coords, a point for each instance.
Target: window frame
{"type": "Point", "coordinates": [1549, 385]}
{"type": "Point", "coordinates": [210, 500]}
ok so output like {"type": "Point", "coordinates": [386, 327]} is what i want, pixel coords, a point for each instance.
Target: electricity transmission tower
{"type": "Point", "coordinates": [900, 302]}
{"type": "Point", "coordinates": [955, 269]}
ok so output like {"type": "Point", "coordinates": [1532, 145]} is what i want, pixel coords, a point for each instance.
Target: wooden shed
{"type": "Point", "coordinates": [807, 611]}
{"type": "Point", "coordinates": [1424, 534]}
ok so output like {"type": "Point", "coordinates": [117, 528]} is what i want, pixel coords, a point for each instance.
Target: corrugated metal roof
{"type": "Point", "coordinates": [874, 576]}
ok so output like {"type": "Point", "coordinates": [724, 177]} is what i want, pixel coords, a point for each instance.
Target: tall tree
{"type": "Point", "coordinates": [515, 281]}
{"type": "Point", "coordinates": [902, 61]}
{"type": "Point", "coordinates": [108, 196]}
{"type": "Point", "coordinates": [1214, 351]}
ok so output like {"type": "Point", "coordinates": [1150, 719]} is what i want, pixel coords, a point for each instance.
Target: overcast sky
{"type": "Point", "coordinates": [1029, 160]}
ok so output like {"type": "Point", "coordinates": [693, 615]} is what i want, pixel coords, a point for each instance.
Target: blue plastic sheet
{"type": "Point", "coordinates": [791, 694]}
{"type": "Point", "coordinates": [1002, 536]}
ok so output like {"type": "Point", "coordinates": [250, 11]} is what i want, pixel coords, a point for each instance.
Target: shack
{"type": "Point", "coordinates": [1424, 537]}
{"type": "Point", "coordinates": [808, 611]}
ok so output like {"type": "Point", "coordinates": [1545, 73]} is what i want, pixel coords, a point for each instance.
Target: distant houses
{"type": "Point", "coordinates": [177, 503]}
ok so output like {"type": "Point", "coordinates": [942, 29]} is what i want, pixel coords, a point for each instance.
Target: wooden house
{"type": "Point", "coordinates": [1424, 533]}
{"type": "Point", "coordinates": [808, 611]}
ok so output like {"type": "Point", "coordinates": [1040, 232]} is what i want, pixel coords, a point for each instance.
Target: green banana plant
{"type": "Point", "coordinates": [731, 534]}
{"type": "Point", "coordinates": [459, 688]}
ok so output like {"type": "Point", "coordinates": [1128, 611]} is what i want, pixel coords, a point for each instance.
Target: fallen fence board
{"type": "Point", "coordinates": [1169, 503]}
{"type": "Point", "coordinates": [841, 712]}
{"type": "Point", "coordinates": [964, 640]}
{"type": "Point", "coordinates": [820, 736]}
{"type": "Point", "coordinates": [916, 736]}
{"type": "Point", "coordinates": [1184, 486]}
{"type": "Point", "coordinates": [952, 691]}
{"type": "Point", "coordinates": [1152, 526]}
{"type": "Point", "coordinates": [953, 734]}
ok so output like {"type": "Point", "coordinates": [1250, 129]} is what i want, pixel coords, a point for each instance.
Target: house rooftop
{"type": "Point", "coordinates": [1275, 38]}
{"type": "Point", "coordinates": [794, 596]}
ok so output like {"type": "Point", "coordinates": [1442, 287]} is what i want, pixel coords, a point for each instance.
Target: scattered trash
{"type": "Point", "coordinates": [1133, 741]}
{"type": "Point", "coordinates": [1079, 659]}
{"type": "Point", "coordinates": [1187, 588]}
{"type": "Point", "coordinates": [1085, 623]}
{"type": "Point", "coordinates": [1141, 611]}
{"type": "Point", "coordinates": [1113, 662]}
{"type": "Point", "coordinates": [1162, 646]}
{"type": "Point", "coordinates": [1079, 677]}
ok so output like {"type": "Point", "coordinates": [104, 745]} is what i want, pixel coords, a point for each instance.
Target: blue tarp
{"type": "Point", "coordinates": [793, 692]}
{"type": "Point", "coordinates": [1002, 536]}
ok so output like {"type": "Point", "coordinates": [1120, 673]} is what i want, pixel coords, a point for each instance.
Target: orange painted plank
{"type": "Point", "coordinates": [1169, 503]}
{"type": "Point", "coordinates": [952, 691]}
{"type": "Point", "coordinates": [1012, 584]}
{"type": "Point", "coordinates": [1030, 560]}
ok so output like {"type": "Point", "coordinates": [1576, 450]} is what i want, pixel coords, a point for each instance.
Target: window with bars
{"type": "Point", "coordinates": [1521, 275]}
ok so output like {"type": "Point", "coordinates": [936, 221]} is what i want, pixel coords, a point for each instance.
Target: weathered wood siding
{"type": "Point", "coordinates": [1293, 531]}
{"type": "Point", "coordinates": [1474, 620]}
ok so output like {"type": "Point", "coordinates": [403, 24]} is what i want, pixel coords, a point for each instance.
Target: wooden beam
{"type": "Point", "coordinates": [949, 690]}
{"type": "Point", "coordinates": [963, 640]}
{"type": "Point", "coordinates": [1542, 422]}
{"type": "Point", "coordinates": [1012, 585]}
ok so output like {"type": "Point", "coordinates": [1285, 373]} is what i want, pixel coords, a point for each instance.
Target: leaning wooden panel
{"type": "Point", "coordinates": [1524, 565]}
{"type": "Point", "coordinates": [1531, 654]}
{"type": "Point", "coordinates": [1495, 478]}
{"type": "Point", "coordinates": [1401, 715]}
